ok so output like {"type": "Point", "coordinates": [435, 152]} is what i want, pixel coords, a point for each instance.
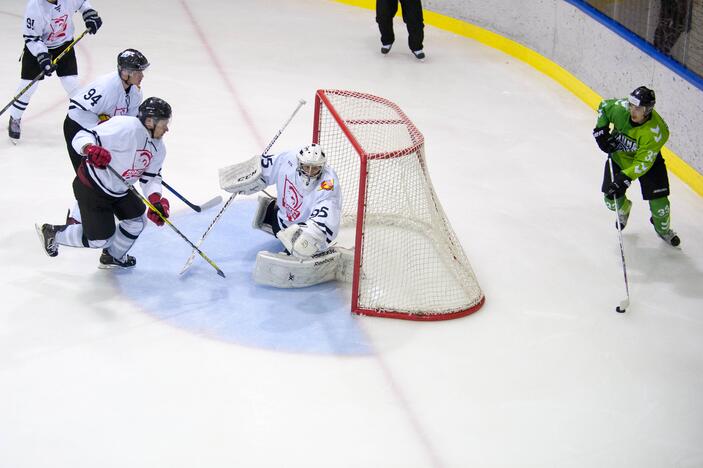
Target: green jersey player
{"type": "Point", "coordinates": [634, 143]}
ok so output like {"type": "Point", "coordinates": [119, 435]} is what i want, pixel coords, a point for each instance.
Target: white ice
{"type": "Point", "coordinates": [146, 369]}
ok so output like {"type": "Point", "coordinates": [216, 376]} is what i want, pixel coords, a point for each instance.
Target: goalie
{"type": "Point", "coordinates": [305, 217]}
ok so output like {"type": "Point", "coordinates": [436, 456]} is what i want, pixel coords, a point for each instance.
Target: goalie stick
{"type": "Point", "coordinates": [190, 260]}
{"type": "Point", "coordinates": [208, 204]}
{"type": "Point", "coordinates": [153, 208]}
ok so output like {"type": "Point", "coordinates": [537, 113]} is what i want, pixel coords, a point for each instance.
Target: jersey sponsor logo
{"type": "Point", "coordinates": [58, 28]}
{"type": "Point", "coordinates": [142, 159]}
{"type": "Point", "coordinates": [292, 200]}
{"type": "Point", "coordinates": [121, 110]}
{"type": "Point", "coordinates": [327, 185]}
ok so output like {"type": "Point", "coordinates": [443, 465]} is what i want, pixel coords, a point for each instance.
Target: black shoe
{"type": "Point", "coordinates": [385, 48]}
{"type": "Point", "coordinates": [107, 261]}
{"type": "Point", "coordinates": [419, 54]}
{"type": "Point", "coordinates": [13, 128]}
{"type": "Point", "coordinates": [47, 237]}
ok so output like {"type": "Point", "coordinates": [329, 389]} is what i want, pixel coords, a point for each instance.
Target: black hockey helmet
{"type": "Point", "coordinates": [644, 97]}
{"type": "Point", "coordinates": [155, 108]}
{"type": "Point", "coordinates": [130, 60]}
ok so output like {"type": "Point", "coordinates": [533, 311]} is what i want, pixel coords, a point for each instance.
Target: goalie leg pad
{"type": "Point", "coordinates": [285, 271]}
{"type": "Point", "coordinates": [259, 221]}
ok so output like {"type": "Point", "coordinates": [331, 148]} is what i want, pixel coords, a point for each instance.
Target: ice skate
{"type": "Point", "coordinates": [385, 48]}
{"type": "Point", "coordinates": [669, 236]}
{"type": "Point", "coordinates": [107, 261]}
{"type": "Point", "coordinates": [13, 130]}
{"type": "Point", "coordinates": [419, 54]}
{"type": "Point", "coordinates": [47, 237]}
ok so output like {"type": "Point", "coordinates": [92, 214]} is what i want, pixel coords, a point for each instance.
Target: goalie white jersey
{"type": "Point", "coordinates": [47, 26]}
{"type": "Point", "coordinates": [135, 155]}
{"type": "Point", "coordinates": [106, 96]}
{"type": "Point", "coordinates": [321, 202]}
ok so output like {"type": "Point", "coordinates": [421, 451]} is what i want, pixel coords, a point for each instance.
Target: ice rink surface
{"type": "Point", "coordinates": [146, 368]}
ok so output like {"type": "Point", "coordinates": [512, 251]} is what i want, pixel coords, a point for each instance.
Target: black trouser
{"type": "Point", "coordinates": [412, 16]}
{"type": "Point", "coordinates": [654, 183]}
{"type": "Point", "coordinates": [271, 216]}
{"type": "Point", "coordinates": [67, 66]}
{"type": "Point", "coordinates": [98, 209]}
{"type": "Point", "coordinates": [70, 128]}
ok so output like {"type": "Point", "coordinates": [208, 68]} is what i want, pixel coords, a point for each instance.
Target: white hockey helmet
{"type": "Point", "coordinates": [311, 163]}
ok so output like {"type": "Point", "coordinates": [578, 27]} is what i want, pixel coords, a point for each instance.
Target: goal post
{"type": "Point", "coordinates": [408, 263]}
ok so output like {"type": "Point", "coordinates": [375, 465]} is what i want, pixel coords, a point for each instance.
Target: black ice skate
{"type": "Point", "coordinates": [107, 261]}
{"type": "Point", "coordinates": [419, 54]}
{"type": "Point", "coordinates": [13, 130]}
{"type": "Point", "coordinates": [669, 236]}
{"type": "Point", "coordinates": [385, 48]}
{"type": "Point", "coordinates": [47, 237]}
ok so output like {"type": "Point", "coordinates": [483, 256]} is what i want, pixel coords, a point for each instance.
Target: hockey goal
{"type": "Point", "coordinates": [408, 263]}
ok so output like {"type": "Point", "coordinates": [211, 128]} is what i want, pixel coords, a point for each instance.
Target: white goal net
{"type": "Point", "coordinates": [408, 262]}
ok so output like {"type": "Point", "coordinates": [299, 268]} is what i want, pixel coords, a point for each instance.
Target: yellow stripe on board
{"type": "Point", "coordinates": [675, 164]}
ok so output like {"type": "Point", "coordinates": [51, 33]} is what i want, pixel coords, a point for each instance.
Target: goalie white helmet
{"type": "Point", "coordinates": [311, 163]}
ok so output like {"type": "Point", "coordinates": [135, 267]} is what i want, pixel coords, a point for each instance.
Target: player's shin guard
{"type": "Point", "coordinates": [127, 233]}
{"type": "Point", "coordinates": [72, 236]}
{"type": "Point", "coordinates": [70, 83]}
{"type": "Point", "coordinates": [661, 217]}
{"type": "Point", "coordinates": [624, 206]}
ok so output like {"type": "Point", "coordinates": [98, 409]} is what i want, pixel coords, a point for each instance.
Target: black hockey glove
{"type": "Point", "coordinates": [618, 185]}
{"type": "Point", "coordinates": [44, 59]}
{"type": "Point", "coordinates": [92, 21]}
{"type": "Point", "coordinates": [606, 142]}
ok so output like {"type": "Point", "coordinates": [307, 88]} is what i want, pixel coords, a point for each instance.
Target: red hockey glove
{"type": "Point", "coordinates": [98, 156]}
{"type": "Point", "coordinates": [160, 204]}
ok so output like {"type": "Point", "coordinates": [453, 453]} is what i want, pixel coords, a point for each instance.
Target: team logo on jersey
{"type": "Point", "coordinates": [58, 28]}
{"type": "Point", "coordinates": [121, 110]}
{"type": "Point", "coordinates": [142, 159]}
{"type": "Point", "coordinates": [292, 200]}
{"type": "Point", "coordinates": [327, 185]}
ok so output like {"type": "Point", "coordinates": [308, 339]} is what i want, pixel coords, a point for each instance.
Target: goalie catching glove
{"type": "Point", "coordinates": [160, 204]}
{"type": "Point", "coordinates": [244, 178]}
{"type": "Point", "coordinates": [303, 240]}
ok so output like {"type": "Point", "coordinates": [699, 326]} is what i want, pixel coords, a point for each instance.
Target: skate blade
{"type": "Point", "coordinates": [114, 267]}
{"type": "Point", "coordinates": [14, 142]}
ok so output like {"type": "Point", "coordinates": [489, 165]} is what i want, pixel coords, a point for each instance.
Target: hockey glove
{"type": "Point", "coordinates": [606, 142]}
{"type": "Point", "coordinates": [92, 21]}
{"type": "Point", "coordinates": [44, 59]}
{"type": "Point", "coordinates": [160, 204]}
{"type": "Point", "coordinates": [618, 185]}
{"type": "Point", "coordinates": [98, 156]}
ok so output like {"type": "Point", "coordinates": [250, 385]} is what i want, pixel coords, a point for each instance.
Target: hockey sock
{"type": "Point", "coordinates": [75, 213]}
{"type": "Point", "coordinates": [20, 105]}
{"type": "Point", "coordinates": [127, 233]}
{"type": "Point", "coordinates": [70, 83]}
{"type": "Point", "coordinates": [624, 204]}
{"type": "Point", "coordinates": [71, 236]}
{"type": "Point", "coordinates": [660, 214]}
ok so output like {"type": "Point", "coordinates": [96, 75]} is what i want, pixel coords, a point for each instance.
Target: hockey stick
{"type": "Point", "coordinates": [153, 208]}
{"type": "Point", "coordinates": [41, 75]}
{"type": "Point", "coordinates": [624, 304]}
{"type": "Point", "coordinates": [189, 262]}
{"type": "Point", "coordinates": [208, 204]}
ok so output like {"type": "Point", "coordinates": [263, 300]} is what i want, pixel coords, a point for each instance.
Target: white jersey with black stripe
{"type": "Point", "coordinates": [48, 25]}
{"type": "Point", "coordinates": [136, 156]}
{"type": "Point", "coordinates": [320, 202]}
{"type": "Point", "coordinates": [107, 96]}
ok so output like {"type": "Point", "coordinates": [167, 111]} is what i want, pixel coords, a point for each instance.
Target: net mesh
{"type": "Point", "coordinates": [411, 264]}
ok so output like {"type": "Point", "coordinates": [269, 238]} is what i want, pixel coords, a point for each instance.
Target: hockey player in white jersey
{"type": "Point", "coordinates": [48, 30]}
{"type": "Point", "coordinates": [133, 147]}
{"type": "Point", "coordinates": [305, 216]}
{"type": "Point", "coordinates": [116, 93]}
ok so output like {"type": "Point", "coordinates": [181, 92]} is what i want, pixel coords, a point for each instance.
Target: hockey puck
{"type": "Point", "coordinates": [619, 310]}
